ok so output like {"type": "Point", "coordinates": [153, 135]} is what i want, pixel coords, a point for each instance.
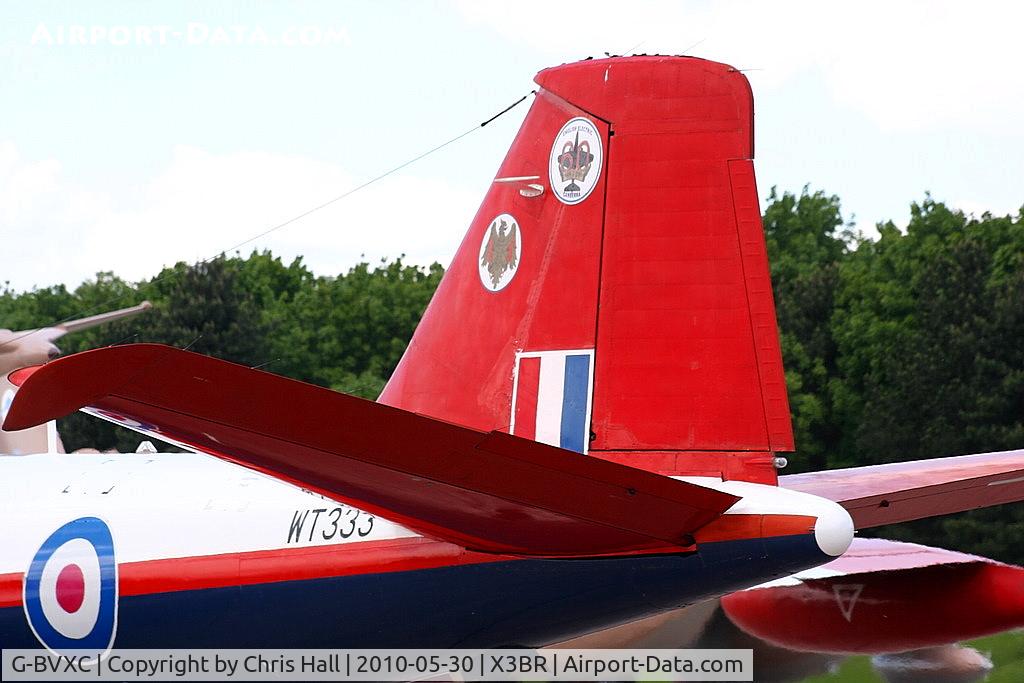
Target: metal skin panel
{"type": "Point", "coordinates": [905, 491]}
{"type": "Point", "coordinates": [486, 491]}
{"type": "Point", "coordinates": [752, 466]}
{"type": "Point", "coordinates": [867, 555]}
{"type": "Point", "coordinates": [497, 603]}
{"type": "Point", "coordinates": [661, 93]}
{"type": "Point", "coordinates": [459, 364]}
{"type": "Point", "coordinates": [232, 561]}
{"type": "Point", "coordinates": [761, 303]}
{"type": "Point", "coordinates": [879, 597]}
{"type": "Point", "coordinates": [884, 611]}
{"type": "Point", "coordinates": [688, 355]}
{"type": "Point", "coordinates": [688, 382]}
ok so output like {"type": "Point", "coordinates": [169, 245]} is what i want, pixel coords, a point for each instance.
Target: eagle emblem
{"type": "Point", "coordinates": [499, 253]}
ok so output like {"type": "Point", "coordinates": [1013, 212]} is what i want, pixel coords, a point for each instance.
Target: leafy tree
{"type": "Point", "coordinates": [349, 332]}
{"type": "Point", "coordinates": [902, 347]}
{"type": "Point", "coordinates": [346, 332]}
{"type": "Point", "coordinates": [36, 308]}
{"type": "Point", "coordinates": [206, 307]}
{"type": "Point", "coordinates": [927, 325]}
{"type": "Point", "coordinates": [807, 239]}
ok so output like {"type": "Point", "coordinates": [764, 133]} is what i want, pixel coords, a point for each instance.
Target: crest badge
{"type": "Point", "coordinates": [576, 158]}
{"type": "Point", "coordinates": [499, 252]}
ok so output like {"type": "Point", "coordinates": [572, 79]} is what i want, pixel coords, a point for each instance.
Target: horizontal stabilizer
{"type": "Point", "coordinates": [904, 491]}
{"type": "Point", "coordinates": [490, 492]}
{"type": "Point", "coordinates": [883, 596]}
{"type": "Point", "coordinates": [870, 555]}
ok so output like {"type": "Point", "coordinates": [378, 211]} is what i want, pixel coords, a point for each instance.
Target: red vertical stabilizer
{"type": "Point", "coordinates": [625, 311]}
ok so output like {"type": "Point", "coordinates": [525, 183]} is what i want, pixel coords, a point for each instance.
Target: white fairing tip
{"type": "Point", "coordinates": [834, 530]}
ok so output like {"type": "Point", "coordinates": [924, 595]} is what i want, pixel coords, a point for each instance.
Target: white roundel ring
{"type": "Point", "coordinates": [70, 591]}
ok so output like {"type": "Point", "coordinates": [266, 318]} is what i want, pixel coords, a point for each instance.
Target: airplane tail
{"type": "Point", "coordinates": [612, 295]}
{"type": "Point", "coordinates": [27, 347]}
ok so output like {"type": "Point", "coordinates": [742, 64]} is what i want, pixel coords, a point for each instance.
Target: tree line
{"type": "Point", "coordinates": [905, 345]}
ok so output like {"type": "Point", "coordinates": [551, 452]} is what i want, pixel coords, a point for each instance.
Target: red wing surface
{"type": "Point", "coordinates": [900, 492]}
{"type": "Point", "coordinates": [883, 596]}
{"type": "Point", "coordinates": [487, 491]}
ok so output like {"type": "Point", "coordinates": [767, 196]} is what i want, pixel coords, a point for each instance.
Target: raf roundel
{"type": "Point", "coordinates": [500, 250]}
{"type": "Point", "coordinates": [575, 163]}
{"type": "Point", "coordinates": [71, 588]}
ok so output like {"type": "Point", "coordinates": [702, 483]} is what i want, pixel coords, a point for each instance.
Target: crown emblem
{"type": "Point", "coordinates": [574, 163]}
{"type": "Point", "coordinates": [574, 166]}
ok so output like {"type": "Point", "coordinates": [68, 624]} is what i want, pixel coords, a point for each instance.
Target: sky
{"type": "Point", "coordinates": [134, 135]}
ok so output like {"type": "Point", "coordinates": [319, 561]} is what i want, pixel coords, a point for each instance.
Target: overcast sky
{"type": "Point", "coordinates": [181, 129]}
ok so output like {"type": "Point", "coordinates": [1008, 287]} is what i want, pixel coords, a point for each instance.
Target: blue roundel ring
{"type": "Point", "coordinates": [101, 588]}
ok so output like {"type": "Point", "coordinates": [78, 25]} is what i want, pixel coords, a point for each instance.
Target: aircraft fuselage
{"type": "Point", "coordinates": [184, 550]}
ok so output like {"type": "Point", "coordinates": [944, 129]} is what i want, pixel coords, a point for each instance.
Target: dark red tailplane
{"type": "Point", "coordinates": [488, 492]}
{"type": "Point", "coordinates": [626, 311]}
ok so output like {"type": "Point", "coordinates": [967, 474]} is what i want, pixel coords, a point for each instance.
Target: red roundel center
{"type": "Point", "coordinates": [70, 588]}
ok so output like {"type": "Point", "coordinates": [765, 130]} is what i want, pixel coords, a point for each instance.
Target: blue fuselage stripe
{"type": "Point", "coordinates": [516, 602]}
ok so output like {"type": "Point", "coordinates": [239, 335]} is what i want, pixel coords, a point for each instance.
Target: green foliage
{"type": "Point", "coordinates": [926, 324]}
{"type": "Point", "coordinates": [807, 241]}
{"type": "Point", "coordinates": [904, 347]}
{"type": "Point", "coordinates": [850, 670]}
{"type": "Point", "coordinates": [345, 332]}
{"type": "Point", "coordinates": [349, 332]}
{"type": "Point", "coordinates": [1006, 651]}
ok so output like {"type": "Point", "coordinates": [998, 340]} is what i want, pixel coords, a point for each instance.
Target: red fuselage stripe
{"type": "Point", "coordinates": [367, 557]}
{"type": "Point", "coordinates": [267, 566]}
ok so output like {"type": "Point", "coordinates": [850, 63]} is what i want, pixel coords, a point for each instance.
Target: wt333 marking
{"type": "Point", "coordinates": [329, 523]}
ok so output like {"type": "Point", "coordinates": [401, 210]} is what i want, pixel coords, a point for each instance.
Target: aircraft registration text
{"type": "Point", "coordinates": [329, 523]}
